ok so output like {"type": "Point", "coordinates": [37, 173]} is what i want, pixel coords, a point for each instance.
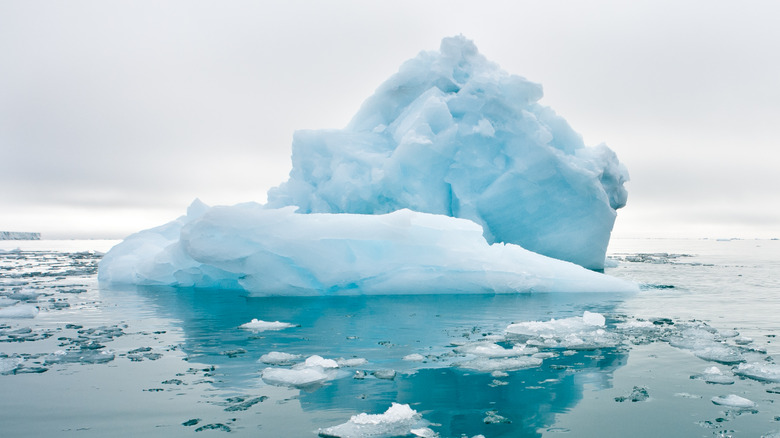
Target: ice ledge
{"type": "Point", "coordinates": [279, 252]}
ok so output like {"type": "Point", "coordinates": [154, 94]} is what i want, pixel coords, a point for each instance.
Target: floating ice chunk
{"type": "Point", "coordinates": [719, 353]}
{"type": "Point", "coordinates": [706, 343]}
{"type": "Point", "coordinates": [492, 417]}
{"type": "Point", "coordinates": [453, 134]}
{"type": "Point", "coordinates": [594, 319]}
{"type": "Point", "coordinates": [82, 356]}
{"type": "Point", "coordinates": [279, 358]}
{"type": "Point", "coordinates": [385, 374]}
{"type": "Point", "coordinates": [764, 372]}
{"type": "Point", "coordinates": [398, 420]}
{"type": "Point", "coordinates": [577, 333]}
{"type": "Point", "coordinates": [298, 377]}
{"type": "Point", "coordinates": [489, 349]}
{"type": "Point", "coordinates": [257, 325]}
{"type": "Point", "coordinates": [319, 361]}
{"type": "Point", "coordinates": [686, 395]}
{"type": "Point", "coordinates": [314, 371]}
{"type": "Point", "coordinates": [734, 401]}
{"type": "Point", "coordinates": [638, 394]}
{"type": "Point", "coordinates": [5, 302]}
{"type": "Point", "coordinates": [280, 252]}
{"type": "Point", "coordinates": [414, 357]}
{"type": "Point", "coordinates": [351, 362]}
{"type": "Point", "coordinates": [424, 432]}
{"type": "Point", "coordinates": [10, 364]}
{"type": "Point", "coordinates": [19, 311]}
{"type": "Point", "coordinates": [488, 365]}
{"type": "Point", "coordinates": [715, 375]}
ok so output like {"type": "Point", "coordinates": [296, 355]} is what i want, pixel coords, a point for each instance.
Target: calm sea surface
{"type": "Point", "coordinates": [677, 359]}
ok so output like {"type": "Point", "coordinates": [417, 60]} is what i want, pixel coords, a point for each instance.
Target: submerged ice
{"type": "Point", "coordinates": [452, 133]}
{"type": "Point", "coordinates": [451, 178]}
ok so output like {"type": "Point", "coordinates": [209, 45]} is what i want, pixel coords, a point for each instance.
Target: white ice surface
{"type": "Point", "coordinates": [280, 252]}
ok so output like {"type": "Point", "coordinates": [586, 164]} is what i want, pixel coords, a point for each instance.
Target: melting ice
{"type": "Point", "coordinates": [451, 178]}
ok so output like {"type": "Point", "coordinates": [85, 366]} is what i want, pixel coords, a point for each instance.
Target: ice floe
{"type": "Point", "coordinates": [279, 358]}
{"type": "Point", "coordinates": [19, 311]}
{"type": "Point", "coordinates": [733, 401]}
{"type": "Point", "coordinates": [765, 372]}
{"type": "Point", "coordinates": [577, 333]}
{"type": "Point", "coordinates": [716, 376]}
{"type": "Point", "coordinates": [298, 377]}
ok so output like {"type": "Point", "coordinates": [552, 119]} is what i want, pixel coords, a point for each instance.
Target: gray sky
{"type": "Point", "coordinates": [115, 115]}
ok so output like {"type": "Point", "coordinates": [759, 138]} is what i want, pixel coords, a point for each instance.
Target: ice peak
{"type": "Point", "coordinates": [452, 133]}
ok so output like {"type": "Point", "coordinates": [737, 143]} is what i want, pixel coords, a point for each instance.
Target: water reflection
{"type": "Point", "coordinates": [384, 329]}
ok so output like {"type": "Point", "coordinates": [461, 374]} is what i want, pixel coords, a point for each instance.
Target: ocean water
{"type": "Point", "coordinates": [692, 355]}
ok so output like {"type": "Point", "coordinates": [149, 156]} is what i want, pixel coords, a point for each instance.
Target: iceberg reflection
{"type": "Point", "coordinates": [384, 330]}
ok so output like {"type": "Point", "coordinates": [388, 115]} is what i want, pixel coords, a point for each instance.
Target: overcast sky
{"type": "Point", "coordinates": [115, 115]}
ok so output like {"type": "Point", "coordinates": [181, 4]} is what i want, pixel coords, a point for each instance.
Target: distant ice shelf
{"type": "Point", "coordinates": [18, 235]}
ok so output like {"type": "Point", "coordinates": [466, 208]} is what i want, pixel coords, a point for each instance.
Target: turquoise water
{"type": "Point", "coordinates": [164, 362]}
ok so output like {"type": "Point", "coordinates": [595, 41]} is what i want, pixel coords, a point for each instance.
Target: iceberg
{"type": "Point", "coordinates": [451, 178]}
{"type": "Point", "coordinates": [280, 252]}
{"type": "Point", "coordinates": [452, 133]}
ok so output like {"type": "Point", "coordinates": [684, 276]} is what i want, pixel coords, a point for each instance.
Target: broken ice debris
{"type": "Point", "coordinates": [639, 393]}
{"type": "Point", "coordinates": [577, 333]}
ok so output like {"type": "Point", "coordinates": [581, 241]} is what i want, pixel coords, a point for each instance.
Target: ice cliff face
{"type": "Point", "coordinates": [453, 134]}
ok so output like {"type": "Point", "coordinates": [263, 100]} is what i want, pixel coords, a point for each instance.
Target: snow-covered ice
{"type": "Point", "coordinates": [398, 420]}
{"type": "Point", "coordinates": [452, 133]}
